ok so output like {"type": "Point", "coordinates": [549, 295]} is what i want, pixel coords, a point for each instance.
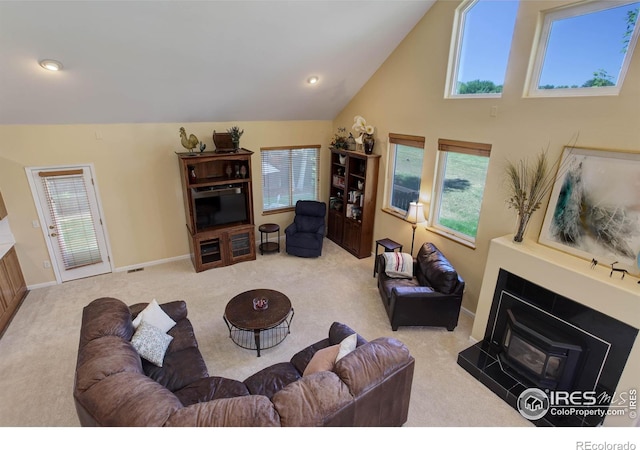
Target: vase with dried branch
{"type": "Point", "coordinates": [528, 184]}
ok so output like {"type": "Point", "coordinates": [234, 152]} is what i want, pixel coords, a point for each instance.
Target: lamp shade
{"type": "Point", "coordinates": [415, 213]}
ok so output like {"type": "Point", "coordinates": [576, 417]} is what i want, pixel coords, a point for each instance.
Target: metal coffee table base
{"type": "Point", "coordinates": [260, 339]}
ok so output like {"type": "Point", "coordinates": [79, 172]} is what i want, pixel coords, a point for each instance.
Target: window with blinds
{"type": "Point", "coordinates": [459, 188]}
{"type": "Point", "coordinates": [407, 156]}
{"type": "Point", "coordinates": [70, 211]}
{"type": "Point", "coordinates": [289, 174]}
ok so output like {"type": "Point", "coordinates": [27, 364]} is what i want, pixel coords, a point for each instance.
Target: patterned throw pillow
{"type": "Point", "coordinates": [398, 265]}
{"type": "Point", "coordinates": [151, 343]}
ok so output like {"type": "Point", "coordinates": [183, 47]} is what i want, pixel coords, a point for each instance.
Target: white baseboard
{"type": "Point", "coordinates": [119, 269]}
{"type": "Point", "coordinates": [467, 312]}
{"type": "Point", "coordinates": [151, 263]}
{"type": "Point", "coordinates": [31, 287]}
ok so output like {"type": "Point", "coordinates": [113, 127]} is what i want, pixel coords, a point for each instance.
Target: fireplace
{"type": "Point", "coordinates": [541, 354]}
{"type": "Point", "coordinates": [537, 338]}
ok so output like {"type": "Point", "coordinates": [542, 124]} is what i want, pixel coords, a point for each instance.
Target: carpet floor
{"type": "Point", "coordinates": [38, 350]}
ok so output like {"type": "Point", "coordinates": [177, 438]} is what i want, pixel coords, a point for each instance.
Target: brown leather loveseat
{"type": "Point", "coordinates": [429, 295]}
{"type": "Point", "coordinates": [114, 386]}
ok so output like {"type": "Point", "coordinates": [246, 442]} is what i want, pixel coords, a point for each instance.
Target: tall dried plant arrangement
{"type": "Point", "coordinates": [528, 185]}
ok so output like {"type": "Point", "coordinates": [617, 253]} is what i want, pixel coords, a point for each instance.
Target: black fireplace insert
{"type": "Point", "coordinates": [537, 338]}
{"type": "Point", "coordinates": [539, 352]}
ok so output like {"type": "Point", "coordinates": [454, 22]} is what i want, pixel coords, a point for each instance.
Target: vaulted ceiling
{"type": "Point", "coordinates": [192, 61]}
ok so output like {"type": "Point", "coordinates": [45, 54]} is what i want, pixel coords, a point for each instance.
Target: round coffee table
{"type": "Point", "coordinates": [258, 329]}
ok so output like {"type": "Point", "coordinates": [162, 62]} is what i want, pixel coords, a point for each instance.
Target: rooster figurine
{"type": "Point", "coordinates": [189, 143]}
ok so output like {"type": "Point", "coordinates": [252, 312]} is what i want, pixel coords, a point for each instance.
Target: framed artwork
{"type": "Point", "coordinates": [594, 208]}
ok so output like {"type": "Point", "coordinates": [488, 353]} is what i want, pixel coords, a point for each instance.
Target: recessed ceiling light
{"type": "Point", "coordinates": [51, 64]}
{"type": "Point", "coordinates": [313, 80]}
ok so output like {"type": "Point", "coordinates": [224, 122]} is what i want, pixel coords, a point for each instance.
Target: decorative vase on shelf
{"type": "Point", "coordinates": [368, 142]}
{"type": "Point", "coordinates": [523, 221]}
{"type": "Point", "coordinates": [351, 143]}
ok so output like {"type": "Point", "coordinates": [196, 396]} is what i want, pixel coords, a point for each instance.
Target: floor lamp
{"type": "Point", "coordinates": [414, 216]}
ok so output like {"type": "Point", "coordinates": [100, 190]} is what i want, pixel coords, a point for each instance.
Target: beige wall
{"type": "Point", "coordinates": [406, 96]}
{"type": "Point", "coordinates": [137, 169]}
{"type": "Point", "coordinates": [138, 181]}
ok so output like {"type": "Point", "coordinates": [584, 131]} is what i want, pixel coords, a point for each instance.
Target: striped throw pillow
{"type": "Point", "coordinates": [398, 265]}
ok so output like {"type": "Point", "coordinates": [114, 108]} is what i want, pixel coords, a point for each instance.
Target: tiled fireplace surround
{"type": "Point", "coordinates": [564, 276]}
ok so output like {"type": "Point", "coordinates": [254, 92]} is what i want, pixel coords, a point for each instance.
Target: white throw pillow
{"type": "Point", "coordinates": [155, 316]}
{"type": "Point", "coordinates": [347, 345]}
{"type": "Point", "coordinates": [151, 343]}
{"type": "Point", "coordinates": [398, 265]}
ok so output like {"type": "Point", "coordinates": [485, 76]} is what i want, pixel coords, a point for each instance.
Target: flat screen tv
{"type": "Point", "coordinates": [219, 207]}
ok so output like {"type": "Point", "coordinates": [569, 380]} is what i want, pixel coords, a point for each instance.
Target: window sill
{"type": "Point", "coordinates": [452, 237]}
{"type": "Point", "coordinates": [437, 231]}
{"type": "Point", "coordinates": [467, 96]}
{"type": "Point", "coordinates": [278, 211]}
{"type": "Point", "coordinates": [393, 213]}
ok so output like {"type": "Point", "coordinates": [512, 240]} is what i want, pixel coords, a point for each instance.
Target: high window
{"type": "Point", "coordinates": [406, 155]}
{"type": "Point", "coordinates": [459, 187]}
{"type": "Point", "coordinates": [289, 174]}
{"type": "Point", "coordinates": [584, 49]}
{"type": "Point", "coordinates": [480, 46]}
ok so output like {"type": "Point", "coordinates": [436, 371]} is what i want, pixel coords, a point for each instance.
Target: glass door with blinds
{"type": "Point", "coordinates": [71, 220]}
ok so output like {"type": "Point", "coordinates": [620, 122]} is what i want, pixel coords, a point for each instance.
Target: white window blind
{"type": "Point", "coordinates": [289, 174]}
{"type": "Point", "coordinates": [407, 157]}
{"type": "Point", "coordinates": [70, 211]}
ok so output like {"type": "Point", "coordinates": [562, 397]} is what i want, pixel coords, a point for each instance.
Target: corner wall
{"type": "Point", "coordinates": [406, 95]}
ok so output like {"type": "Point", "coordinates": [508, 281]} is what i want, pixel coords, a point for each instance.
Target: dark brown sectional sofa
{"type": "Point", "coordinates": [114, 386]}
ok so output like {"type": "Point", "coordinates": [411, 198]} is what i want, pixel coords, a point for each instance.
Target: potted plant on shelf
{"type": "Point", "coordinates": [235, 133]}
{"type": "Point", "coordinates": [340, 140]}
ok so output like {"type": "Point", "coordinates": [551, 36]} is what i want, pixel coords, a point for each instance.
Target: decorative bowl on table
{"type": "Point", "coordinates": [260, 303]}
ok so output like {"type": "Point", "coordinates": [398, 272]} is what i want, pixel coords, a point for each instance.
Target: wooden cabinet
{"type": "Point", "coordinates": [352, 201]}
{"type": "Point", "coordinates": [3, 209]}
{"type": "Point", "coordinates": [218, 204]}
{"type": "Point", "coordinates": [223, 247]}
{"type": "Point", "coordinates": [13, 288]}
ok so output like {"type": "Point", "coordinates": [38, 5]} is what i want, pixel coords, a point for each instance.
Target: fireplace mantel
{"type": "Point", "coordinates": [570, 277]}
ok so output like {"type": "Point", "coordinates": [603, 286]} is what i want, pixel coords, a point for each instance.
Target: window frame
{"type": "Point", "coordinates": [290, 149]}
{"type": "Point", "coordinates": [394, 140]}
{"type": "Point", "coordinates": [455, 49]}
{"type": "Point", "coordinates": [446, 146]}
{"type": "Point", "coordinates": [541, 41]}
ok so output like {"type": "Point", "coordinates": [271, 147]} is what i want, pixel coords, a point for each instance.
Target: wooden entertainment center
{"type": "Point", "coordinates": [218, 206]}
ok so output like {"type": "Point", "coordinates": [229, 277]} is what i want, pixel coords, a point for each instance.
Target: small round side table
{"type": "Point", "coordinates": [265, 245]}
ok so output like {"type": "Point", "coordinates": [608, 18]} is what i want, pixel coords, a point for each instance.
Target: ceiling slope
{"type": "Point", "coordinates": [192, 61]}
